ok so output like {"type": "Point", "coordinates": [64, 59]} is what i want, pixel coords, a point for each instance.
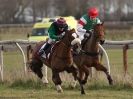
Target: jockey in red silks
{"type": "Point", "coordinates": [87, 21]}
{"type": "Point", "coordinates": [55, 33]}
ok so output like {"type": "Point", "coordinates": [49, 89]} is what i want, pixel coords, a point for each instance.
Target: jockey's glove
{"type": "Point", "coordinates": [60, 37]}
{"type": "Point", "coordinates": [102, 42]}
{"type": "Point", "coordinates": [88, 34]}
{"type": "Point", "coordinates": [88, 31]}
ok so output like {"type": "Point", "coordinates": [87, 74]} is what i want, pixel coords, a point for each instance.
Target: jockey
{"type": "Point", "coordinates": [87, 21]}
{"type": "Point", "coordinates": [55, 33]}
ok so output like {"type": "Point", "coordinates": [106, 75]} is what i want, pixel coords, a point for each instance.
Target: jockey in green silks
{"type": "Point", "coordinates": [87, 21]}
{"type": "Point", "coordinates": [55, 32]}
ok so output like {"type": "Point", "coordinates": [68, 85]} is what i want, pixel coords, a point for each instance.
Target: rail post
{"type": "Point", "coordinates": [24, 58]}
{"type": "Point", "coordinates": [1, 62]}
{"type": "Point", "coordinates": [29, 51]}
{"type": "Point", "coordinates": [125, 48]}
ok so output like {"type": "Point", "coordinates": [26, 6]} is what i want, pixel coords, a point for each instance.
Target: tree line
{"type": "Point", "coordinates": [22, 11]}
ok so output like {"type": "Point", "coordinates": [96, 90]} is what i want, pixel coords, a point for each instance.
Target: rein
{"type": "Point", "coordinates": [90, 53]}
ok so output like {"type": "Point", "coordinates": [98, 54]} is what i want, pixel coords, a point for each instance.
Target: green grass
{"type": "Point", "coordinates": [17, 84]}
{"type": "Point", "coordinates": [32, 90]}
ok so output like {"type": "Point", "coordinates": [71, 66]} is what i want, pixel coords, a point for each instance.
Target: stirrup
{"type": "Point", "coordinates": [43, 55]}
{"type": "Point", "coordinates": [40, 53]}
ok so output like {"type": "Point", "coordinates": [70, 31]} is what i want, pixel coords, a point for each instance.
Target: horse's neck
{"type": "Point", "coordinates": [63, 50]}
{"type": "Point", "coordinates": [92, 44]}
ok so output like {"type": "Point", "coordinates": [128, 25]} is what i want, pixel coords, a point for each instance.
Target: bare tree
{"type": "Point", "coordinates": [71, 7]}
{"type": "Point", "coordinates": [11, 10]}
{"type": "Point", "coordinates": [23, 4]}
{"type": "Point", "coordinates": [8, 9]}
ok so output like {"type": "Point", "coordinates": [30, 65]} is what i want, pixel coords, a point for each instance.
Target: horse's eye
{"type": "Point", "coordinates": [74, 35]}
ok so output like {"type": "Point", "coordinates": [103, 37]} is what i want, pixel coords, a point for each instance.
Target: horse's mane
{"type": "Point", "coordinates": [71, 30]}
{"type": "Point", "coordinates": [84, 41]}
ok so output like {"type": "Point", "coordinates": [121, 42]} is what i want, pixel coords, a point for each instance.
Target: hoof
{"type": "Point", "coordinates": [83, 82]}
{"type": "Point", "coordinates": [83, 93]}
{"type": "Point", "coordinates": [111, 82]}
{"type": "Point", "coordinates": [44, 81]}
{"type": "Point", "coordinates": [73, 84]}
{"type": "Point", "coordinates": [59, 89]}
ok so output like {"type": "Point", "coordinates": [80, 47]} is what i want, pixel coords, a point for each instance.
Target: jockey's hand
{"type": "Point", "coordinates": [87, 34]}
{"type": "Point", "coordinates": [102, 42]}
{"type": "Point", "coordinates": [89, 31]}
{"type": "Point", "coordinates": [60, 37]}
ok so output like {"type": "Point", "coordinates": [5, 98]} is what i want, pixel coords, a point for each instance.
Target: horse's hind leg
{"type": "Point", "coordinates": [74, 71]}
{"type": "Point", "coordinates": [100, 67]}
{"type": "Point", "coordinates": [57, 80]}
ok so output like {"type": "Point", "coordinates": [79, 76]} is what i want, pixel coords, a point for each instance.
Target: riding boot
{"type": "Point", "coordinates": [42, 51]}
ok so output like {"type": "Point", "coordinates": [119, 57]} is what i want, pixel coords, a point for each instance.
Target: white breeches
{"type": "Point", "coordinates": [81, 35]}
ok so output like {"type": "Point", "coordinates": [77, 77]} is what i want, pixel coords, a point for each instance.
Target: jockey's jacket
{"type": "Point", "coordinates": [85, 23]}
{"type": "Point", "coordinates": [54, 31]}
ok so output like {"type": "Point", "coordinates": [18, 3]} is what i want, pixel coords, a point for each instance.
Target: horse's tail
{"type": "Point", "coordinates": [36, 66]}
{"type": "Point", "coordinates": [35, 63]}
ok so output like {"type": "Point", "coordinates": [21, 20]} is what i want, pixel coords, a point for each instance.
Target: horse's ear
{"type": "Point", "coordinates": [73, 30]}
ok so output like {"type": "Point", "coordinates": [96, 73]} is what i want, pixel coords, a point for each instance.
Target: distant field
{"type": "Point", "coordinates": [14, 33]}
{"type": "Point", "coordinates": [21, 33]}
{"type": "Point", "coordinates": [19, 85]}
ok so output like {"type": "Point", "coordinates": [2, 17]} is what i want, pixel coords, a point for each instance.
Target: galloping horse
{"type": "Point", "coordinates": [59, 60]}
{"type": "Point", "coordinates": [90, 56]}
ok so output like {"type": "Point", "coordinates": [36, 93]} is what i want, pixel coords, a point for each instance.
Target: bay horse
{"type": "Point", "coordinates": [89, 57]}
{"type": "Point", "coordinates": [60, 58]}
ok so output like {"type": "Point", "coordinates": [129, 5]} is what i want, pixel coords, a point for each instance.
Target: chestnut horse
{"type": "Point", "coordinates": [60, 58]}
{"type": "Point", "coordinates": [90, 56]}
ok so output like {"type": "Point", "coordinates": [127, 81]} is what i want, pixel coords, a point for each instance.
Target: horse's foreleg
{"type": "Point", "coordinates": [80, 78]}
{"type": "Point", "coordinates": [74, 72]}
{"type": "Point", "coordinates": [100, 67]}
{"type": "Point", "coordinates": [86, 71]}
{"type": "Point", "coordinates": [57, 80]}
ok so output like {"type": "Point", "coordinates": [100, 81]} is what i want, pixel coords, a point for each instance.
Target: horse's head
{"type": "Point", "coordinates": [71, 38]}
{"type": "Point", "coordinates": [99, 32]}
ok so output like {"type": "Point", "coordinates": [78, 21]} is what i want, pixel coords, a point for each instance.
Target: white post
{"type": "Point", "coordinates": [24, 58]}
{"type": "Point", "coordinates": [1, 62]}
{"type": "Point", "coordinates": [106, 57]}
